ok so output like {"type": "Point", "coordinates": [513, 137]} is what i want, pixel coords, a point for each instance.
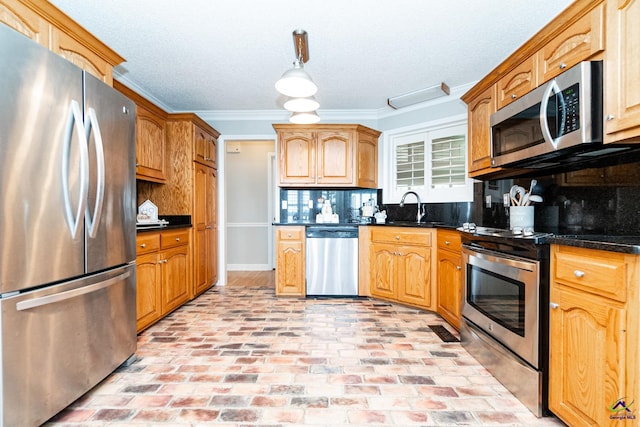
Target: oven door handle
{"type": "Point", "coordinates": [500, 258]}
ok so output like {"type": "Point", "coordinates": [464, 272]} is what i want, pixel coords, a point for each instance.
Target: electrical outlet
{"type": "Point", "coordinates": [487, 200]}
{"type": "Point", "coordinates": [505, 199]}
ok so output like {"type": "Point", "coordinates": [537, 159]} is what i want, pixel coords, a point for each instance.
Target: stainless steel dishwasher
{"type": "Point", "coordinates": [332, 260]}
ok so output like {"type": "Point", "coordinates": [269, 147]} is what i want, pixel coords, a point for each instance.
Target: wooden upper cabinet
{"type": "Point", "coordinates": [334, 155]}
{"type": "Point", "coordinates": [150, 146]}
{"type": "Point", "coordinates": [328, 155]}
{"type": "Point", "coordinates": [205, 147]}
{"type": "Point", "coordinates": [24, 20]}
{"type": "Point", "coordinates": [621, 69]}
{"type": "Point", "coordinates": [519, 81]}
{"type": "Point", "coordinates": [579, 42]}
{"type": "Point", "coordinates": [151, 137]}
{"type": "Point", "coordinates": [479, 149]}
{"type": "Point", "coordinates": [44, 23]}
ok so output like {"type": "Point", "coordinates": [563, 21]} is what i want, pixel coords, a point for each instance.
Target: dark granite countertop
{"type": "Point", "coordinates": [624, 244]}
{"type": "Point", "coordinates": [426, 224]}
{"type": "Point", "coordinates": [174, 221]}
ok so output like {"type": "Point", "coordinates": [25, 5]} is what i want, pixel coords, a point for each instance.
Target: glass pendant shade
{"type": "Point", "coordinates": [302, 105]}
{"type": "Point", "coordinates": [305, 118]}
{"type": "Point", "coordinates": [296, 83]}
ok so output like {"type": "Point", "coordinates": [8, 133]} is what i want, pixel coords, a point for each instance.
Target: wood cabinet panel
{"type": "Point", "coordinates": [335, 157]}
{"type": "Point", "coordinates": [297, 158]}
{"type": "Point", "coordinates": [80, 55]}
{"type": "Point", "coordinates": [414, 275]}
{"type": "Point", "coordinates": [205, 147]}
{"type": "Point", "coordinates": [587, 357]}
{"type": "Point", "coordinates": [150, 146]}
{"type": "Point", "coordinates": [622, 68]}
{"type": "Point", "coordinates": [479, 148]}
{"type": "Point", "coordinates": [175, 277]}
{"type": "Point", "coordinates": [519, 81]}
{"type": "Point", "coordinates": [450, 278]}
{"type": "Point", "coordinates": [24, 20]}
{"type": "Point", "coordinates": [205, 201]}
{"type": "Point", "coordinates": [383, 261]}
{"type": "Point", "coordinates": [148, 290]}
{"type": "Point", "coordinates": [579, 42]}
{"type": "Point", "coordinates": [290, 261]}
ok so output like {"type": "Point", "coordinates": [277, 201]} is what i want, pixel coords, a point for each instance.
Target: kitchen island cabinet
{"type": "Point", "coordinates": [450, 276]}
{"type": "Point", "coordinates": [594, 335]}
{"type": "Point", "coordinates": [163, 279]}
{"type": "Point", "coordinates": [327, 155]}
{"type": "Point", "coordinates": [290, 261]}
{"type": "Point", "coordinates": [400, 259]}
{"type": "Point", "coordinates": [47, 25]}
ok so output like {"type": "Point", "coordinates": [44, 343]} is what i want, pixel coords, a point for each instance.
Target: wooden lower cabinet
{"type": "Point", "coordinates": [163, 274]}
{"type": "Point", "coordinates": [450, 277]}
{"type": "Point", "coordinates": [401, 265]}
{"type": "Point", "coordinates": [290, 261]}
{"type": "Point", "coordinates": [593, 319]}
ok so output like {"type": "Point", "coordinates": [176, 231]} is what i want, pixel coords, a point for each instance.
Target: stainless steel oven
{"type": "Point", "coordinates": [501, 298]}
{"type": "Point", "coordinates": [504, 310]}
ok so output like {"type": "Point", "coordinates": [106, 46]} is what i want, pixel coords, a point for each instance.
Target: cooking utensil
{"type": "Point", "coordinates": [517, 194]}
{"type": "Point", "coordinates": [533, 184]}
{"type": "Point", "coordinates": [533, 198]}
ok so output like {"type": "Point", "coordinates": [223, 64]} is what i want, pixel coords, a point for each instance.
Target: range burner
{"type": "Point", "coordinates": [516, 233]}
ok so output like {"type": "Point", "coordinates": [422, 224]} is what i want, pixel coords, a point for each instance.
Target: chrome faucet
{"type": "Point", "coordinates": [420, 213]}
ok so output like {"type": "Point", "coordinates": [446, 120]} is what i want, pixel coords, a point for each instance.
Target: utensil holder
{"type": "Point", "coordinates": [521, 216]}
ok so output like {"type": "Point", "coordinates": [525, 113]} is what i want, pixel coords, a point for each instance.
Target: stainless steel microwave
{"type": "Point", "coordinates": [561, 117]}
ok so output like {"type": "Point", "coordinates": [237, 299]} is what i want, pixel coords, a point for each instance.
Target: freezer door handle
{"type": "Point", "coordinates": [91, 124]}
{"type": "Point", "coordinates": [74, 221]}
{"type": "Point", "coordinates": [54, 298]}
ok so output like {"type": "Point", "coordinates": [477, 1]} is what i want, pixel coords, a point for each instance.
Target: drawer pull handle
{"type": "Point", "coordinates": [578, 273]}
{"type": "Point", "coordinates": [446, 242]}
{"type": "Point", "coordinates": [397, 237]}
{"type": "Point", "coordinates": [289, 235]}
{"type": "Point", "coordinates": [177, 239]}
{"type": "Point", "coordinates": [144, 245]}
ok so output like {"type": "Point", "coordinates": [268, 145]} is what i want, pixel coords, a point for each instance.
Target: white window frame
{"type": "Point", "coordinates": [425, 132]}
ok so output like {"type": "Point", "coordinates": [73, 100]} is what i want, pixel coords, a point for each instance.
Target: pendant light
{"type": "Point", "coordinates": [296, 84]}
{"type": "Point", "coordinates": [302, 105]}
{"type": "Point", "coordinates": [304, 118]}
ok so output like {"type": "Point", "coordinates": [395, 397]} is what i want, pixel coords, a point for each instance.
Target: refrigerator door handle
{"type": "Point", "coordinates": [91, 124]}
{"type": "Point", "coordinates": [54, 298]}
{"type": "Point", "coordinates": [74, 221]}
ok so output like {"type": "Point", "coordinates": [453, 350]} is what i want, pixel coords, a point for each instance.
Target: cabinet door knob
{"type": "Point", "coordinates": [609, 117]}
{"type": "Point", "coordinates": [177, 239]}
{"type": "Point", "coordinates": [563, 66]}
{"type": "Point", "coordinates": [446, 242]}
{"type": "Point", "coordinates": [458, 267]}
{"type": "Point", "coordinates": [578, 273]}
{"type": "Point", "coordinates": [553, 305]}
{"type": "Point", "coordinates": [514, 96]}
{"type": "Point", "coordinates": [144, 245]}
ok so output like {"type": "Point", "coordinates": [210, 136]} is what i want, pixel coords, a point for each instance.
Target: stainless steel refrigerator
{"type": "Point", "coordinates": [67, 231]}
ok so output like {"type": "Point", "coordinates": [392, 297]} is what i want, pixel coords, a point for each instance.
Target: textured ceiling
{"type": "Point", "coordinates": [221, 55]}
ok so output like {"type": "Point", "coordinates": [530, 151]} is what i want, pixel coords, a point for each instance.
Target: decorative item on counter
{"type": "Point", "coordinates": [369, 208]}
{"type": "Point", "coordinates": [327, 216]}
{"type": "Point", "coordinates": [381, 217]}
{"type": "Point", "coordinates": [148, 215]}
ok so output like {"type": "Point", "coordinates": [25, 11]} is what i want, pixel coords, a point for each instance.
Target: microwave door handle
{"type": "Point", "coordinates": [552, 86]}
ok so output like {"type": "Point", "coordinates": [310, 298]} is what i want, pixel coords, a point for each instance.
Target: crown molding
{"type": "Point", "coordinates": [212, 116]}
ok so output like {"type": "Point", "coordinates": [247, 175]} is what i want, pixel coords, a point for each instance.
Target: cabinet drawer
{"type": "Point", "coordinates": [147, 242]}
{"type": "Point", "coordinates": [401, 235]}
{"type": "Point", "coordinates": [290, 233]}
{"type": "Point", "coordinates": [450, 240]}
{"type": "Point", "coordinates": [599, 272]}
{"type": "Point", "coordinates": [174, 238]}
